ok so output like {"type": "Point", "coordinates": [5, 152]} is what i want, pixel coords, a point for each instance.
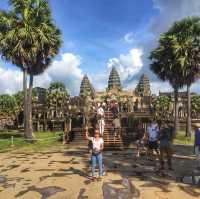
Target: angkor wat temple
{"type": "Point", "coordinates": [79, 110]}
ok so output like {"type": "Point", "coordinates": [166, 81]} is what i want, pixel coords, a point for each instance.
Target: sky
{"type": "Point", "coordinates": [100, 34]}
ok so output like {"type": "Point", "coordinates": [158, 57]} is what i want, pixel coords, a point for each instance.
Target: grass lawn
{"type": "Point", "coordinates": [46, 139]}
{"type": "Point", "coordinates": [181, 139]}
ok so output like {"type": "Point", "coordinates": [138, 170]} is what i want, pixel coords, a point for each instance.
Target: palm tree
{"type": "Point", "coordinates": [186, 48]}
{"type": "Point", "coordinates": [57, 96]}
{"type": "Point", "coordinates": [29, 39]}
{"type": "Point", "coordinates": [177, 59]}
{"type": "Point", "coordinates": [165, 67]}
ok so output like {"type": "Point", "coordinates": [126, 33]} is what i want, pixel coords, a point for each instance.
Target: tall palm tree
{"type": "Point", "coordinates": [186, 48]}
{"type": "Point", "coordinates": [165, 67]}
{"type": "Point", "coordinates": [29, 39]}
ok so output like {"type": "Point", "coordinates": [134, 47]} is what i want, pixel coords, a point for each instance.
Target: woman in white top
{"type": "Point", "coordinates": [97, 148]}
{"type": "Point", "coordinates": [100, 117]}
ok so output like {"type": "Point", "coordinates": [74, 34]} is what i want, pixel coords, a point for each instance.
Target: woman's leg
{"type": "Point", "coordinates": [100, 162]}
{"type": "Point", "coordinates": [102, 128]}
{"type": "Point", "coordinates": [94, 159]}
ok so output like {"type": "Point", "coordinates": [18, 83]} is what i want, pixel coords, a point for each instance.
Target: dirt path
{"type": "Point", "coordinates": [63, 174]}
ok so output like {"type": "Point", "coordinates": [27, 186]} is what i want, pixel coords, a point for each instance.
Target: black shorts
{"type": "Point", "coordinates": [153, 145]}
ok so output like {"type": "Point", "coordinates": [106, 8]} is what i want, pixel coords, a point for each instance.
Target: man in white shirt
{"type": "Point", "coordinates": [152, 131]}
{"type": "Point", "coordinates": [97, 148]}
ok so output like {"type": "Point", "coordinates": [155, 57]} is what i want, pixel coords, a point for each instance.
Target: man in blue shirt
{"type": "Point", "coordinates": [197, 143]}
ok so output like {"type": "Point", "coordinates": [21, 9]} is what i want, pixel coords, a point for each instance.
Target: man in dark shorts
{"type": "Point", "coordinates": [152, 131]}
{"type": "Point", "coordinates": [166, 137]}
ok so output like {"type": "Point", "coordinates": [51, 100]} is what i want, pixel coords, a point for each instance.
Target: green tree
{"type": "Point", "coordinates": [57, 96]}
{"type": "Point", "coordinates": [195, 105]}
{"type": "Point", "coordinates": [29, 39]}
{"type": "Point", "coordinates": [8, 105]}
{"type": "Point", "coordinates": [186, 49]}
{"type": "Point", "coordinates": [165, 66]}
{"type": "Point", "coordinates": [162, 108]}
{"type": "Point", "coordinates": [177, 59]}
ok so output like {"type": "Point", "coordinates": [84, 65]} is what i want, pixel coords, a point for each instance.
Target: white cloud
{"type": "Point", "coordinates": [128, 38]}
{"type": "Point", "coordinates": [158, 86]}
{"type": "Point", "coordinates": [171, 11]}
{"type": "Point", "coordinates": [10, 80]}
{"type": "Point", "coordinates": [127, 64]}
{"type": "Point", "coordinates": [65, 70]}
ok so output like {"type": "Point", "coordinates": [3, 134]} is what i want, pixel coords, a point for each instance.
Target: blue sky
{"type": "Point", "coordinates": [99, 34]}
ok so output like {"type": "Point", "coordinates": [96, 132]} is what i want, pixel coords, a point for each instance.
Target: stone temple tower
{"type": "Point", "coordinates": [114, 80]}
{"type": "Point", "coordinates": [143, 86]}
{"type": "Point", "coordinates": [86, 88]}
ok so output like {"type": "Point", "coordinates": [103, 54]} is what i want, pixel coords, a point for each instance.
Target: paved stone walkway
{"type": "Point", "coordinates": [63, 174]}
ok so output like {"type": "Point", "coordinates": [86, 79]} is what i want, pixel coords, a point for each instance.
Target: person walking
{"type": "Point", "coordinates": [100, 118]}
{"type": "Point", "coordinates": [96, 155]}
{"type": "Point", "coordinates": [117, 125]}
{"type": "Point", "coordinates": [114, 108]}
{"type": "Point", "coordinates": [166, 138]}
{"type": "Point", "coordinates": [152, 132]}
{"type": "Point", "coordinates": [197, 144]}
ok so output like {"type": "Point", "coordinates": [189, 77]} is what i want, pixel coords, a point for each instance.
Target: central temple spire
{"type": "Point", "coordinates": [114, 80]}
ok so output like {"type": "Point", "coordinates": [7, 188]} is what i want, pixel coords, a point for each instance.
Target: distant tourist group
{"type": "Point", "coordinates": [156, 138]}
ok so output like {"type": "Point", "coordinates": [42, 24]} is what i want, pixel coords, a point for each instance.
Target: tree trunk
{"type": "Point", "coordinates": [29, 110]}
{"type": "Point", "coordinates": [188, 122]}
{"type": "Point", "coordinates": [176, 119]}
{"type": "Point", "coordinates": [25, 101]}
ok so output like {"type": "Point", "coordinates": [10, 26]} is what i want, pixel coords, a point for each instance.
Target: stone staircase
{"type": "Point", "coordinates": [111, 141]}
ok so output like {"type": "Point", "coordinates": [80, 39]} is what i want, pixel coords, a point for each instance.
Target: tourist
{"type": "Point", "coordinates": [96, 155]}
{"type": "Point", "coordinates": [140, 139]}
{"type": "Point", "coordinates": [117, 125]}
{"type": "Point", "coordinates": [100, 118]}
{"type": "Point", "coordinates": [114, 109]}
{"type": "Point", "coordinates": [166, 137]}
{"type": "Point", "coordinates": [197, 143]}
{"type": "Point", "coordinates": [152, 132]}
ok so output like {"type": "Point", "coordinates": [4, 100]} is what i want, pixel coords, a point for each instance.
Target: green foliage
{"type": "Point", "coordinates": [177, 57]}
{"type": "Point", "coordinates": [195, 102]}
{"type": "Point", "coordinates": [28, 36]}
{"type": "Point", "coordinates": [8, 105]}
{"type": "Point", "coordinates": [19, 97]}
{"type": "Point", "coordinates": [162, 108]}
{"type": "Point", "coordinates": [57, 95]}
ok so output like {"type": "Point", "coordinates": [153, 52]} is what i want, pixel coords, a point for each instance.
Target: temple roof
{"type": "Point", "coordinates": [114, 80]}
{"type": "Point", "coordinates": [143, 86]}
{"type": "Point", "coordinates": [86, 87]}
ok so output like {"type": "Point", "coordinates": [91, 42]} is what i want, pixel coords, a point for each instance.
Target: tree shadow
{"type": "Point", "coordinates": [45, 192]}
